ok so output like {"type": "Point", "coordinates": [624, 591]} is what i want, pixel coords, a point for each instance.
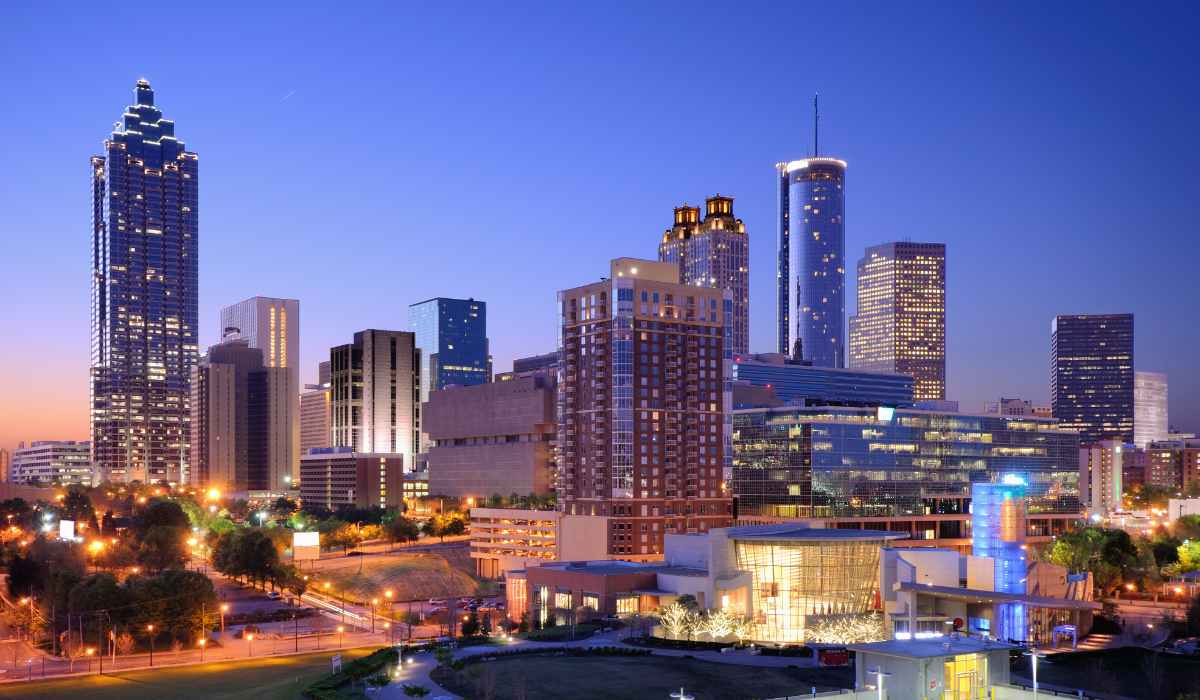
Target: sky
{"type": "Point", "coordinates": [361, 157]}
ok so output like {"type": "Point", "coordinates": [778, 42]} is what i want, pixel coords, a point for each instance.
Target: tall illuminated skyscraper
{"type": "Point", "coordinates": [375, 394]}
{"type": "Point", "coordinates": [452, 337]}
{"type": "Point", "coordinates": [1150, 422]}
{"type": "Point", "coordinates": [273, 326]}
{"type": "Point", "coordinates": [1091, 375]}
{"type": "Point", "coordinates": [812, 267]}
{"type": "Point", "coordinates": [144, 296]}
{"type": "Point", "coordinates": [900, 326]}
{"type": "Point", "coordinates": [713, 253]}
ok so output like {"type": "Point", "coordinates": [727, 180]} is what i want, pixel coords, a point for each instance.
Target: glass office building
{"type": "Point", "coordinates": [1091, 375]}
{"type": "Point", "coordinates": [452, 337]}
{"type": "Point", "coordinates": [796, 383]}
{"type": "Point", "coordinates": [812, 254]}
{"type": "Point", "coordinates": [844, 462]}
{"type": "Point", "coordinates": [144, 296]}
{"type": "Point", "coordinates": [998, 527]}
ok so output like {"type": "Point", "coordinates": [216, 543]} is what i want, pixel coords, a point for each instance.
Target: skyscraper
{"type": "Point", "coordinates": [241, 428]}
{"type": "Point", "coordinates": [1091, 375]}
{"type": "Point", "coordinates": [375, 394]}
{"type": "Point", "coordinates": [642, 405]}
{"type": "Point", "coordinates": [144, 296]}
{"type": "Point", "coordinates": [452, 337]}
{"type": "Point", "coordinates": [1150, 422]}
{"type": "Point", "coordinates": [713, 253]}
{"type": "Point", "coordinates": [901, 321]}
{"type": "Point", "coordinates": [812, 251]}
{"type": "Point", "coordinates": [314, 412]}
{"type": "Point", "coordinates": [273, 326]}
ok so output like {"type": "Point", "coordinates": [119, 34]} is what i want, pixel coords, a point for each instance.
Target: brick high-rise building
{"type": "Point", "coordinates": [901, 321]}
{"type": "Point", "coordinates": [713, 252]}
{"type": "Point", "coordinates": [644, 397]}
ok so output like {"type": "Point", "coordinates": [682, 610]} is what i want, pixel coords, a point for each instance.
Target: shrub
{"type": "Point", "coordinates": [327, 687]}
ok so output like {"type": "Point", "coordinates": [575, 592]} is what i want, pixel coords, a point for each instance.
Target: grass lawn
{"type": "Point", "coordinates": [562, 677]}
{"type": "Point", "coordinates": [277, 678]}
{"type": "Point", "coordinates": [1130, 671]}
{"type": "Point", "coordinates": [412, 576]}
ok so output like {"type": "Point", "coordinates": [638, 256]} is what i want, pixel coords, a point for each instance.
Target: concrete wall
{"type": "Point", "coordinates": [583, 538]}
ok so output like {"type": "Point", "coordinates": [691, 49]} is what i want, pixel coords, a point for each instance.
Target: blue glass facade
{"type": "Point", "coordinates": [452, 337]}
{"type": "Point", "coordinates": [807, 385]}
{"type": "Point", "coordinates": [813, 278]}
{"type": "Point", "coordinates": [144, 296]}
{"type": "Point", "coordinates": [998, 526]}
{"type": "Point", "coordinates": [883, 462]}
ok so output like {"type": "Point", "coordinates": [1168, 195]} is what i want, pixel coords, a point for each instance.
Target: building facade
{"type": "Point", "coordinates": [52, 462]}
{"type": "Point", "coordinates": [1017, 407]}
{"type": "Point", "coordinates": [796, 382]}
{"type": "Point", "coordinates": [495, 438]}
{"type": "Point", "coordinates": [273, 326]}
{"type": "Point", "coordinates": [715, 253]}
{"type": "Point", "coordinates": [1102, 475]}
{"type": "Point", "coordinates": [1150, 416]}
{"type": "Point", "coordinates": [812, 260]}
{"type": "Point", "coordinates": [536, 363]}
{"type": "Point", "coordinates": [452, 337]}
{"type": "Point", "coordinates": [144, 296]}
{"type": "Point", "coordinates": [896, 469]}
{"type": "Point", "coordinates": [1091, 375]}
{"type": "Point", "coordinates": [642, 405]}
{"type": "Point", "coordinates": [375, 393]}
{"type": "Point", "coordinates": [241, 432]}
{"type": "Point", "coordinates": [5, 462]}
{"type": "Point", "coordinates": [507, 539]}
{"type": "Point", "coordinates": [339, 477]}
{"type": "Point", "coordinates": [314, 417]}
{"type": "Point", "coordinates": [900, 326]}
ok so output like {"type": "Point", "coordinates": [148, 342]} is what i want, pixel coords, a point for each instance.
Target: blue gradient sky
{"type": "Point", "coordinates": [366, 157]}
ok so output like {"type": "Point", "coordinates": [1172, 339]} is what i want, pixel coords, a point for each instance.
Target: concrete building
{"type": "Point", "coordinates": [241, 420]}
{"type": "Point", "coordinates": [52, 462]}
{"type": "Point", "coordinates": [799, 382]}
{"type": "Point", "coordinates": [714, 253]}
{"type": "Point", "coordinates": [535, 363]}
{"type": "Point", "coordinates": [1091, 375]}
{"type": "Point", "coordinates": [495, 438]}
{"type": "Point", "coordinates": [507, 539]}
{"type": "Point", "coordinates": [145, 296]}
{"type": "Point", "coordinates": [1150, 416]}
{"type": "Point", "coordinates": [1102, 476]}
{"type": "Point", "coordinates": [1174, 463]}
{"type": "Point", "coordinates": [900, 326]}
{"type": "Point", "coordinates": [950, 668]}
{"type": "Point", "coordinates": [315, 408]}
{"type": "Point", "coordinates": [1017, 407]}
{"type": "Point", "coordinates": [642, 405]}
{"type": "Point", "coordinates": [338, 476]}
{"type": "Point", "coordinates": [375, 394]}
{"type": "Point", "coordinates": [273, 326]}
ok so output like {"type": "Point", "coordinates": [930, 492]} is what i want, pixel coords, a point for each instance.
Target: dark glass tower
{"type": "Point", "coordinates": [1091, 375]}
{"type": "Point", "coordinates": [144, 296]}
{"type": "Point", "coordinates": [812, 270]}
{"type": "Point", "coordinates": [452, 337]}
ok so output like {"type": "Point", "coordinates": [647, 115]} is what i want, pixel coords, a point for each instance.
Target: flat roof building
{"type": "Point", "coordinates": [52, 462]}
{"type": "Point", "coordinates": [336, 477]}
{"type": "Point", "coordinates": [1092, 377]}
{"type": "Point", "coordinates": [801, 383]}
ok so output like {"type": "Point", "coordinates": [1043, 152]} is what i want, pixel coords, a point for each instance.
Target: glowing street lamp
{"type": "Point", "coordinates": [250, 641]}
{"type": "Point", "coordinates": [224, 609]}
{"type": "Point", "coordinates": [150, 631]}
{"type": "Point", "coordinates": [203, 643]}
{"type": "Point", "coordinates": [340, 630]}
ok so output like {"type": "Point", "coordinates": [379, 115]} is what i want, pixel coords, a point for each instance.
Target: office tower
{"type": "Point", "coordinates": [901, 321]}
{"type": "Point", "coordinates": [872, 467]}
{"type": "Point", "coordinates": [1017, 407]}
{"type": "Point", "coordinates": [452, 337]}
{"type": "Point", "coordinates": [713, 253]}
{"type": "Point", "coordinates": [323, 372]}
{"type": "Point", "coordinates": [314, 417]}
{"type": "Point", "coordinates": [534, 363]}
{"type": "Point", "coordinates": [642, 405]}
{"type": "Point", "coordinates": [273, 326]}
{"type": "Point", "coordinates": [1091, 375]}
{"type": "Point", "coordinates": [797, 382]}
{"type": "Point", "coordinates": [492, 438]}
{"type": "Point", "coordinates": [375, 394]}
{"type": "Point", "coordinates": [1149, 408]}
{"type": "Point", "coordinates": [1101, 475]}
{"type": "Point", "coordinates": [144, 296]}
{"type": "Point", "coordinates": [241, 429]}
{"type": "Point", "coordinates": [52, 462]}
{"type": "Point", "coordinates": [337, 477]}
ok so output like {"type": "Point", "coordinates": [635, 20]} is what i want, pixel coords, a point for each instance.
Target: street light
{"type": "Point", "coordinates": [374, 602]}
{"type": "Point", "coordinates": [1034, 655]}
{"type": "Point", "coordinates": [340, 630]}
{"type": "Point", "coordinates": [250, 641]}
{"type": "Point", "coordinates": [203, 643]}
{"type": "Point", "coordinates": [150, 631]}
{"type": "Point", "coordinates": [224, 609]}
{"type": "Point", "coordinates": [388, 626]}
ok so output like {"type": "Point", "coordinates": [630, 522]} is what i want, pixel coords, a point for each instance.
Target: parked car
{"type": "Point", "coordinates": [274, 595]}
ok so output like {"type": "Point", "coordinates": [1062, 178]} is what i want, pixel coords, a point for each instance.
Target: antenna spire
{"type": "Point", "coordinates": [816, 126]}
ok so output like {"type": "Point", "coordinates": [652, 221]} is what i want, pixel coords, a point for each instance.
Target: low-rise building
{"type": "Point", "coordinates": [948, 668]}
{"type": "Point", "coordinates": [494, 438]}
{"type": "Point", "coordinates": [338, 476]}
{"type": "Point", "coordinates": [52, 462]}
{"type": "Point", "coordinates": [504, 539]}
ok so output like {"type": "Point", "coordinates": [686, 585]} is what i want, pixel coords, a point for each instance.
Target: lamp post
{"type": "Point", "coordinates": [203, 643]}
{"type": "Point", "coordinates": [374, 602]}
{"type": "Point", "coordinates": [224, 609]}
{"type": "Point", "coordinates": [250, 642]}
{"type": "Point", "coordinates": [150, 631]}
{"type": "Point", "coordinates": [879, 674]}
{"type": "Point", "coordinates": [388, 626]}
{"type": "Point", "coordinates": [340, 630]}
{"type": "Point", "coordinates": [1034, 655]}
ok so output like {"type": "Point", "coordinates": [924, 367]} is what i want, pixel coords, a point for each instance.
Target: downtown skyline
{"type": "Point", "coordinates": [1022, 249]}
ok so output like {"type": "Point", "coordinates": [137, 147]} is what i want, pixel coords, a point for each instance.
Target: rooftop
{"type": "Point", "coordinates": [928, 648]}
{"type": "Point", "coordinates": [970, 595]}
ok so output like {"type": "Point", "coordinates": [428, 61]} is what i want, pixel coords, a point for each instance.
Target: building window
{"type": "Point", "coordinates": [563, 600]}
{"type": "Point", "coordinates": [627, 605]}
{"type": "Point", "coordinates": [592, 601]}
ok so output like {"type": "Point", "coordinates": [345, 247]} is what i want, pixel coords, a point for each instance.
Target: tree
{"type": "Point", "coordinates": [161, 513]}
{"type": "Point", "coordinates": [470, 626]}
{"type": "Point", "coordinates": [676, 620]}
{"type": "Point", "coordinates": [401, 529]}
{"type": "Point", "coordinates": [283, 507]}
{"type": "Point", "coordinates": [77, 506]}
{"type": "Point", "coordinates": [124, 643]}
{"type": "Point", "coordinates": [1189, 556]}
{"type": "Point", "coordinates": [162, 547]}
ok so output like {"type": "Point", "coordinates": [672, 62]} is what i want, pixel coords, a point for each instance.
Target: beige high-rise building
{"type": "Point", "coordinates": [1150, 417]}
{"type": "Point", "coordinates": [273, 326]}
{"type": "Point", "coordinates": [643, 405]}
{"type": "Point", "coordinates": [375, 394]}
{"type": "Point", "coordinates": [901, 321]}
